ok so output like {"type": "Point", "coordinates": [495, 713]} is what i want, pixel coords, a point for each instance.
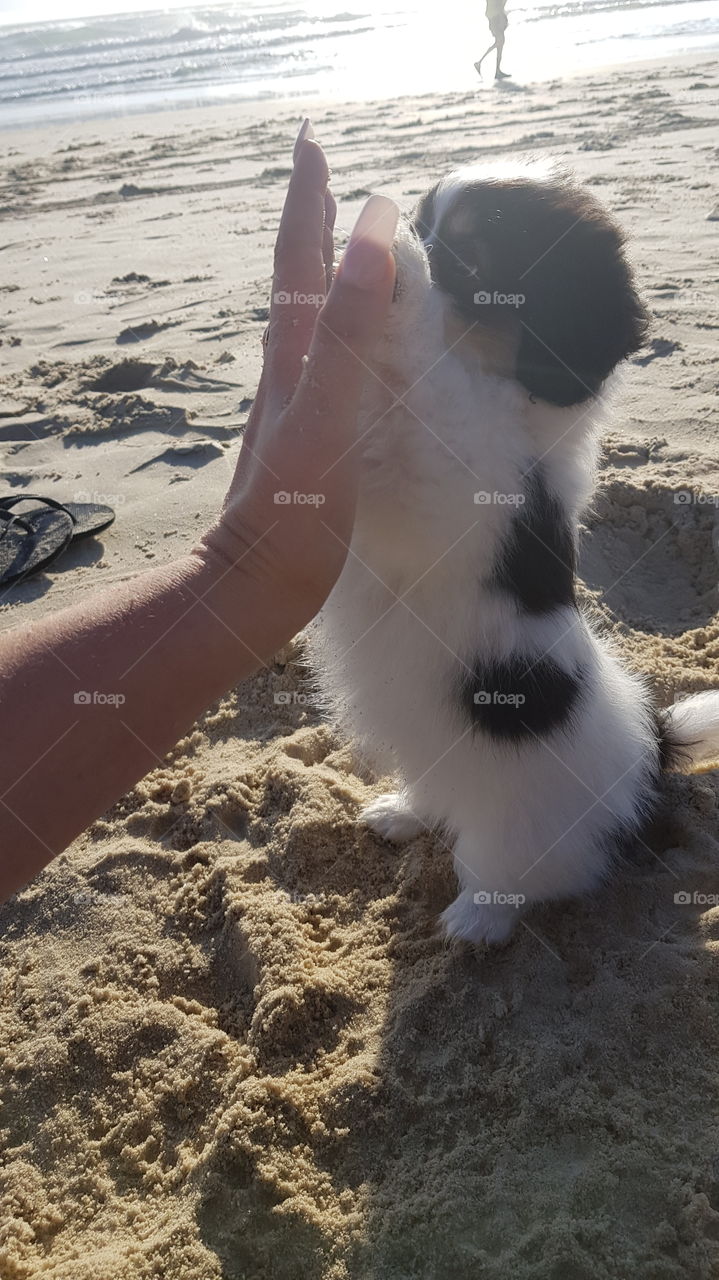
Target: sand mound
{"type": "Point", "coordinates": [652, 553]}
{"type": "Point", "coordinates": [235, 1045]}
{"type": "Point", "coordinates": [128, 375]}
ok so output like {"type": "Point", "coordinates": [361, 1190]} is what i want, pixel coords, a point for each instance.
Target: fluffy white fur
{"type": "Point", "coordinates": [408, 615]}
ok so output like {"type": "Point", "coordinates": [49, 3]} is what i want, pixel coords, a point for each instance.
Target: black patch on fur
{"type": "Point", "coordinates": [555, 244]}
{"type": "Point", "coordinates": [632, 841]}
{"type": "Point", "coordinates": [518, 698]}
{"type": "Point", "coordinates": [673, 755]}
{"type": "Point", "coordinates": [537, 563]}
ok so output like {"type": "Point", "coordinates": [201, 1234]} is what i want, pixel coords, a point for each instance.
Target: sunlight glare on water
{"type": "Point", "coordinates": [343, 49]}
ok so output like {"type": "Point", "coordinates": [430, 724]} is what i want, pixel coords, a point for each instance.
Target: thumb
{"type": "Point", "coordinates": [327, 396]}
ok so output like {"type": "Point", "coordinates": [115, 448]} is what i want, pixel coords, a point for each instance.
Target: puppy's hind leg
{"type": "Point", "coordinates": [481, 912]}
{"type": "Point", "coordinates": [393, 817]}
{"type": "Point", "coordinates": [479, 917]}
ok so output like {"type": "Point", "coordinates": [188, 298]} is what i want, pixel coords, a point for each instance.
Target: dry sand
{"type": "Point", "coordinates": [232, 1042]}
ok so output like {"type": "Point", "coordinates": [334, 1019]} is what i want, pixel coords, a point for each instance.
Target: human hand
{"type": "Point", "coordinates": [288, 516]}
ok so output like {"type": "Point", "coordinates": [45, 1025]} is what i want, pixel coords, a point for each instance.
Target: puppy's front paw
{"type": "Point", "coordinates": [390, 817]}
{"type": "Point", "coordinates": [474, 921]}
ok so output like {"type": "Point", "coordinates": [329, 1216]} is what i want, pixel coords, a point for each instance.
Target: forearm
{"type": "Point", "coordinates": [152, 654]}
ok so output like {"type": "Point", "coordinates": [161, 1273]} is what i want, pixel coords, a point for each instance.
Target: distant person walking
{"type": "Point", "coordinates": [497, 20]}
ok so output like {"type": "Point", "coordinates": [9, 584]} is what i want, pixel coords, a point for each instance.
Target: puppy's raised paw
{"type": "Point", "coordinates": [479, 921]}
{"type": "Point", "coordinates": [390, 816]}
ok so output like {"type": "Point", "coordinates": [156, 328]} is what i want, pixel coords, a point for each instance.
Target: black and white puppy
{"type": "Point", "coordinates": [452, 647]}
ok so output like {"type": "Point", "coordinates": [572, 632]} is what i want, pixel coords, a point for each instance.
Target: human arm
{"type": "Point", "coordinates": [171, 641]}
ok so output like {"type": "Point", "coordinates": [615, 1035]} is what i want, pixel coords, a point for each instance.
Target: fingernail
{"type": "Point", "coordinates": [365, 259]}
{"type": "Point", "coordinates": [306, 131]}
{"type": "Point", "coordinates": [330, 210]}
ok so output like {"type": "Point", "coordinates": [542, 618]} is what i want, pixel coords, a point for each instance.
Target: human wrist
{"type": "Point", "coordinates": [239, 584]}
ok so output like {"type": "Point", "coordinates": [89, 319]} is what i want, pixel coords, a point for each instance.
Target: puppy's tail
{"type": "Point", "coordinates": [689, 733]}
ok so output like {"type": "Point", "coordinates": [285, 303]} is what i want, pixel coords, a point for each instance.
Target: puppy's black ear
{"type": "Point", "coordinates": [546, 253]}
{"type": "Point", "coordinates": [581, 315]}
{"type": "Point", "coordinates": [424, 214]}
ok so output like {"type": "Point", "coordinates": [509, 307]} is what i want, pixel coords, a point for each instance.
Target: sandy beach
{"type": "Point", "coordinates": [232, 1042]}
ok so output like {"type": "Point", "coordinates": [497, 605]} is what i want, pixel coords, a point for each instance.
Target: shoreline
{"type": "Point", "coordinates": [317, 101]}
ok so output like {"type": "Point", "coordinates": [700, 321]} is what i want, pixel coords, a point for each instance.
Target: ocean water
{"type": "Point", "coordinates": [344, 49]}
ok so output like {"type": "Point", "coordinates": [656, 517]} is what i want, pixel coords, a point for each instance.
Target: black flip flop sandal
{"type": "Point", "coordinates": [87, 517]}
{"type": "Point", "coordinates": [31, 542]}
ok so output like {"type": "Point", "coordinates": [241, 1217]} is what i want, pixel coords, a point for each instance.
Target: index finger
{"type": "Point", "coordinates": [299, 282]}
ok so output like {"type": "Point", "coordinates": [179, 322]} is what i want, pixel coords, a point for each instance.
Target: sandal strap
{"type": "Point", "coordinates": [10, 521]}
{"type": "Point", "coordinates": [13, 499]}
